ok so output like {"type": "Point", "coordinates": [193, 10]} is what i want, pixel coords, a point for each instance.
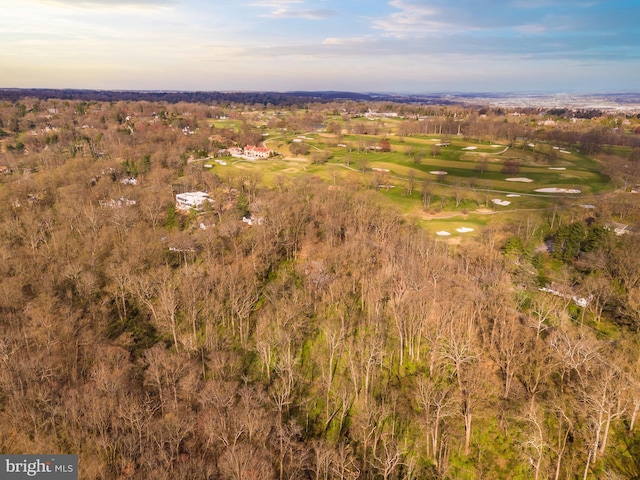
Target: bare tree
{"type": "Point", "coordinates": [437, 403]}
{"type": "Point", "coordinates": [598, 292]}
{"type": "Point", "coordinates": [458, 349]}
{"type": "Point", "coordinates": [535, 446]}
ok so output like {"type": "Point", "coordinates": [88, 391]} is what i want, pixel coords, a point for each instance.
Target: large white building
{"type": "Point", "coordinates": [188, 200]}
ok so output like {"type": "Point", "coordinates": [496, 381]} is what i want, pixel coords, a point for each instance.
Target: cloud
{"type": "Point", "coordinates": [413, 18]}
{"type": "Point", "coordinates": [424, 17]}
{"type": "Point", "coordinates": [443, 17]}
{"type": "Point", "coordinates": [536, 29]}
{"type": "Point", "coordinates": [146, 4]}
{"type": "Point", "coordinates": [530, 4]}
{"type": "Point", "coordinates": [530, 46]}
{"type": "Point", "coordinates": [346, 41]}
{"type": "Point", "coordinates": [282, 9]}
{"type": "Point", "coordinates": [319, 14]}
{"type": "Point", "coordinates": [501, 39]}
{"type": "Point", "coordinates": [274, 3]}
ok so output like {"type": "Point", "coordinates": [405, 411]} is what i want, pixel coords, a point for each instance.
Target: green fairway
{"type": "Point", "coordinates": [476, 178]}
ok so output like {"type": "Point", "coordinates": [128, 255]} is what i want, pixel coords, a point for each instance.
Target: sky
{"type": "Point", "coordinates": [404, 46]}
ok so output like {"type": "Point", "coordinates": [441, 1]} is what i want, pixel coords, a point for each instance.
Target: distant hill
{"type": "Point", "coordinates": [628, 102]}
{"type": "Point", "coordinates": [274, 98]}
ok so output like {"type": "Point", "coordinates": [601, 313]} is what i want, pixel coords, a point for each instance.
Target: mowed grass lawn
{"type": "Point", "coordinates": [465, 173]}
{"type": "Point", "coordinates": [462, 166]}
{"type": "Point", "coordinates": [464, 189]}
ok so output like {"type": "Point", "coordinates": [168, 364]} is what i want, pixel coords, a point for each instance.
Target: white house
{"type": "Point", "coordinates": [253, 220]}
{"type": "Point", "coordinates": [188, 200]}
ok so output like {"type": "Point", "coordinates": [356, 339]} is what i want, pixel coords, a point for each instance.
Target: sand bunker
{"type": "Point", "coordinates": [464, 230]}
{"type": "Point", "coordinates": [496, 146]}
{"type": "Point", "coordinates": [470, 148]}
{"type": "Point", "coordinates": [502, 203]}
{"type": "Point", "coordinates": [557, 168]}
{"type": "Point", "coordinates": [565, 152]}
{"type": "Point", "coordinates": [443, 233]}
{"type": "Point", "coordinates": [438, 172]}
{"type": "Point", "coordinates": [519, 179]}
{"type": "Point", "coordinates": [513, 195]}
{"type": "Point", "coordinates": [557, 190]}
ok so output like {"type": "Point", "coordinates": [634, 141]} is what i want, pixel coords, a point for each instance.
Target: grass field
{"type": "Point", "coordinates": [474, 176]}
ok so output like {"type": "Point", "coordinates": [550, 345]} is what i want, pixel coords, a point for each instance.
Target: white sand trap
{"type": "Point", "coordinates": [565, 152]}
{"type": "Point", "coordinates": [557, 190]}
{"type": "Point", "coordinates": [443, 233]}
{"type": "Point", "coordinates": [532, 145]}
{"type": "Point", "coordinates": [513, 195]}
{"type": "Point", "coordinates": [496, 146]}
{"type": "Point", "coordinates": [557, 168]}
{"type": "Point", "coordinates": [380, 169]}
{"type": "Point", "coordinates": [470, 148]}
{"type": "Point", "coordinates": [502, 203]}
{"type": "Point", "coordinates": [519, 179]}
{"type": "Point", "coordinates": [589, 207]}
{"type": "Point", "coordinates": [556, 148]}
{"type": "Point", "coordinates": [464, 230]}
{"type": "Point", "coordinates": [438, 172]}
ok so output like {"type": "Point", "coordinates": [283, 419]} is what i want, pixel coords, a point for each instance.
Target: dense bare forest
{"type": "Point", "coordinates": [332, 339]}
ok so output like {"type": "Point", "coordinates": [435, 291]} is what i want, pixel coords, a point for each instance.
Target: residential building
{"type": "Point", "coordinates": [192, 200]}
{"type": "Point", "coordinates": [257, 152]}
